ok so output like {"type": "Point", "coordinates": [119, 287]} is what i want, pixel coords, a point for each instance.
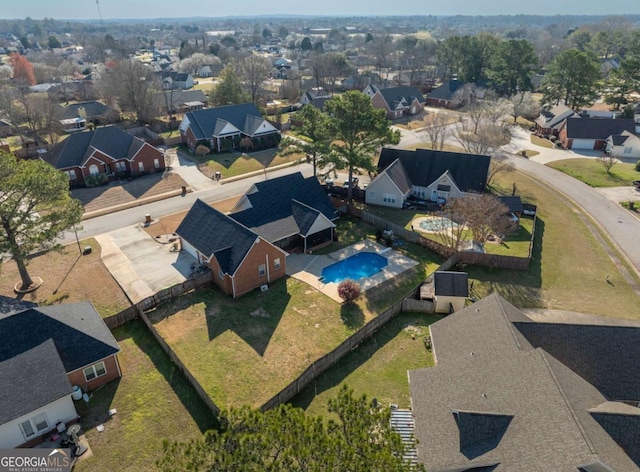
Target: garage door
{"type": "Point", "coordinates": [190, 249]}
{"type": "Point", "coordinates": [583, 144]}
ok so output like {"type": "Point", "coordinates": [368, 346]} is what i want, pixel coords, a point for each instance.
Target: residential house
{"type": "Point", "coordinates": [205, 71]}
{"type": "Point", "coordinates": [511, 394]}
{"type": "Point", "coordinates": [223, 128]}
{"type": "Point", "coordinates": [623, 145]}
{"type": "Point", "coordinates": [396, 101]}
{"type": "Point", "coordinates": [239, 259]}
{"type": "Point", "coordinates": [451, 290]}
{"type": "Point", "coordinates": [513, 203]}
{"type": "Point", "coordinates": [426, 174]}
{"type": "Point", "coordinates": [591, 133]}
{"type": "Point", "coordinates": [180, 101]}
{"type": "Point", "coordinates": [445, 95]}
{"type": "Point", "coordinates": [5, 128]}
{"type": "Point", "coordinates": [44, 352]}
{"type": "Point", "coordinates": [177, 80]}
{"type": "Point", "coordinates": [107, 150]}
{"type": "Point", "coordinates": [75, 117]}
{"type": "Point", "coordinates": [292, 212]}
{"type": "Point", "coordinates": [311, 95]}
{"type": "Point", "coordinates": [72, 90]}
{"type": "Point", "coordinates": [551, 119]}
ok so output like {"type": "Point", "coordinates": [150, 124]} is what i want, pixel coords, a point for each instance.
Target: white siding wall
{"type": "Point", "coordinates": [383, 186]}
{"type": "Point", "coordinates": [59, 410]}
{"type": "Point", "coordinates": [634, 151]}
{"type": "Point", "coordinates": [190, 249]}
{"type": "Point", "coordinates": [442, 304]}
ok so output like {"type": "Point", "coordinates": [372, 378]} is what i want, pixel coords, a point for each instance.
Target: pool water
{"type": "Point", "coordinates": [363, 264]}
{"type": "Point", "coordinates": [437, 223]}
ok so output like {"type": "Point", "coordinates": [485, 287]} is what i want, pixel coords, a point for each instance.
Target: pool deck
{"type": "Point", "coordinates": [308, 267]}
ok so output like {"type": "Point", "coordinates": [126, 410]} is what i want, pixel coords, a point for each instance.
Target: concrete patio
{"type": "Point", "coordinates": [308, 267]}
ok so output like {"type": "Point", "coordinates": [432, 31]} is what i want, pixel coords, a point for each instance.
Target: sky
{"type": "Point", "coordinates": [116, 9]}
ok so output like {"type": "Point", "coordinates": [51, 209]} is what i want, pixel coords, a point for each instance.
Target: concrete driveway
{"type": "Point", "coordinates": [140, 265]}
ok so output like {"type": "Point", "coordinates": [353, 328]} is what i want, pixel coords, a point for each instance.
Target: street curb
{"type": "Point", "coordinates": [235, 178]}
{"type": "Point", "coordinates": [136, 203]}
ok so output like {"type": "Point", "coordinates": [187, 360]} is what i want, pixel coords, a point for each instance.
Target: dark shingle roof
{"type": "Point", "coordinates": [10, 305]}
{"type": "Point", "coordinates": [91, 108]}
{"type": "Point", "coordinates": [424, 166]}
{"type": "Point", "coordinates": [395, 95]}
{"type": "Point", "coordinates": [396, 172]}
{"type": "Point", "coordinates": [487, 369]}
{"type": "Point", "coordinates": [203, 122]}
{"type": "Point", "coordinates": [284, 206]}
{"type": "Point", "coordinates": [77, 148]}
{"type": "Point", "coordinates": [451, 284]}
{"type": "Point", "coordinates": [215, 234]}
{"type": "Point", "coordinates": [514, 204]}
{"type": "Point", "coordinates": [80, 335]}
{"type": "Point", "coordinates": [31, 379]}
{"type": "Point", "coordinates": [446, 91]}
{"type": "Point", "coordinates": [179, 97]}
{"type": "Point", "coordinates": [597, 128]}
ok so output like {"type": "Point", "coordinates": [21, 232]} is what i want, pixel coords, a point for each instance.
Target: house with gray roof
{"type": "Point", "coordinates": [291, 212]}
{"type": "Point", "coordinates": [107, 150]}
{"type": "Point", "coordinates": [592, 133]}
{"type": "Point", "coordinates": [623, 145]}
{"type": "Point", "coordinates": [180, 101]}
{"type": "Point", "coordinates": [396, 101]}
{"type": "Point", "coordinates": [426, 175]}
{"type": "Point", "coordinates": [177, 80]}
{"type": "Point", "coordinates": [224, 128]}
{"type": "Point", "coordinates": [551, 119]}
{"type": "Point", "coordinates": [44, 352]}
{"type": "Point", "coordinates": [76, 116]}
{"type": "Point", "coordinates": [445, 94]}
{"type": "Point", "coordinates": [511, 394]}
{"type": "Point", "coordinates": [239, 259]}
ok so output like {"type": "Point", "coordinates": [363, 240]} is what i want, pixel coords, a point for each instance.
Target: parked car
{"type": "Point", "coordinates": [355, 181]}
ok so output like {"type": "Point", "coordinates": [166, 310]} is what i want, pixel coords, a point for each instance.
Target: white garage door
{"type": "Point", "coordinates": [190, 249]}
{"type": "Point", "coordinates": [583, 144]}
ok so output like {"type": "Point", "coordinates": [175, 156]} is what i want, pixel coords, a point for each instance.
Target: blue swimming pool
{"type": "Point", "coordinates": [363, 264]}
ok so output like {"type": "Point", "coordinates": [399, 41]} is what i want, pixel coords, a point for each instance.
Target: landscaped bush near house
{"type": "Point", "coordinates": [91, 181]}
{"type": "Point", "coordinates": [348, 290]}
{"type": "Point", "coordinates": [103, 179]}
{"type": "Point", "coordinates": [202, 150]}
{"type": "Point", "coordinates": [638, 166]}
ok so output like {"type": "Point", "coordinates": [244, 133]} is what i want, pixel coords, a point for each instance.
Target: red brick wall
{"type": "Point", "coordinates": [225, 283]}
{"type": "Point", "coordinates": [378, 102]}
{"type": "Point", "coordinates": [189, 138]}
{"type": "Point", "coordinates": [562, 136]}
{"type": "Point", "coordinates": [77, 377]}
{"type": "Point", "coordinates": [247, 278]}
{"type": "Point", "coordinates": [146, 155]}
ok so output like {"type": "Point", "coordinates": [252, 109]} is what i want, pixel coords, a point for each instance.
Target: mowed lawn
{"type": "Point", "coordinates": [69, 277]}
{"type": "Point", "coordinates": [378, 367]}
{"type": "Point", "coordinates": [569, 267]}
{"type": "Point", "coordinates": [593, 173]}
{"type": "Point", "coordinates": [153, 402]}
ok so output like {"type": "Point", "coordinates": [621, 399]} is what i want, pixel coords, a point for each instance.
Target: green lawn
{"type": "Point", "coordinates": [153, 402]}
{"type": "Point", "coordinates": [569, 267]}
{"type": "Point", "coordinates": [377, 368]}
{"type": "Point", "coordinates": [538, 141]}
{"type": "Point", "coordinates": [234, 163]}
{"type": "Point", "coordinates": [425, 145]}
{"type": "Point", "coordinates": [592, 173]}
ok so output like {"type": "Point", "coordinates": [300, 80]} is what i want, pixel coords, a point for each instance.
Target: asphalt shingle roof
{"type": "Point", "coordinates": [451, 284]}
{"type": "Point", "coordinates": [31, 379]}
{"type": "Point", "coordinates": [597, 128]}
{"type": "Point", "coordinates": [10, 305]}
{"type": "Point", "coordinates": [92, 108]}
{"type": "Point", "coordinates": [215, 234]}
{"type": "Point", "coordinates": [447, 90]}
{"type": "Point", "coordinates": [179, 97]}
{"type": "Point", "coordinates": [424, 166]}
{"type": "Point", "coordinates": [203, 122]}
{"type": "Point", "coordinates": [395, 95]}
{"type": "Point", "coordinates": [514, 204]}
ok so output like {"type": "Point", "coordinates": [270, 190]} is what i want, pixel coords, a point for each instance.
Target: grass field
{"type": "Point", "coordinates": [231, 164]}
{"type": "Point", "coordinates": [425, 145]}
{"type": "Point", "coordinates": [378, 367]}
{"type": "Point", "coordinates": [153, 402]}
{"type": "Point", "coordinates": [538, 141]}
{"type": "Point", "coordinates": [69, 277]}
{"type": "Point", "coordinates": [592, 173]}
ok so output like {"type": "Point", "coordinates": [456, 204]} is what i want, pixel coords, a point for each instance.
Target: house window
{"type": "Point", "coordinates": [276, 264]}
{"type": "Point", "coordinates": [156, 163]}
{"type": "Point", "coordinates": [220, 274]}
{"type": "Point", "coordinates": [38, 424]}
{"type": "Point", "coordinates": [71, 174]}
{"type": "Point", "coordinates": [389, 197]}
{"type": "Point", "coordinates": [371, 196]}
{"type": "Point", "coordinates": [121, 167]}
{"type": "Point", "coordinates": [262, 270]}
{"type": "Point", "coordinates": [93, 169]}
{"type": "Point", "coordinates": [628, 150]}
{"type": "Point", "coordinates": [141, 166]}
{"type": "Point", "coordinates": [94, 371]}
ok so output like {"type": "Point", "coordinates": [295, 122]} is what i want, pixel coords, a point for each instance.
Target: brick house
{"type": "Point", "coordinates": [396, 101]}
{"type": "Point", "coordinates": [551, 119]}
{"type": "Point", "coordinates": [109, 151]}
{"type": "Point", "coordinates": [239, 259]}
{"type": "Point", "coordinates": [44, 352]}
{"type": "Point", "coordinates": [76, 116]}
{"type": "Point", "coordinates": [444, 96]}
{"type": "Point", "coordinates": [592, 133]}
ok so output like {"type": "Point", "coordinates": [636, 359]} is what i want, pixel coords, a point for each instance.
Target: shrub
{"type": "Point", "coordinates": [638, 166]}
{"type": "Point", "coordinates": [91, 181]}
{"type": "Point", "coordinates": [348, 290]}
{"type": "Point", "coordinates": [202, 150]}
{"type": "Point", "coordinates": [103, 179]}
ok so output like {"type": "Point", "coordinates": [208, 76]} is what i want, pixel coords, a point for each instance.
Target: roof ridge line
{"type": "Point", "coordinates": [572, 412]}
{"type": "Point", "coordinates": [510, 326]}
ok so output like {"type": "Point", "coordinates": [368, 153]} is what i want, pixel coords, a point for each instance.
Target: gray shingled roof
{"type": "Point", "coordinates": [597, 128]}
{"type": "Point", "coordinates": [553, 117]}
{"type": "Point", "coordinates": [446, 91]}
{"type": "Point", "coordinates": [514, 204]}
{"type": "Point", "coordinates": [395, 95]}
{"type": "Point", "coordinates": [398, 175]}
{"type": "Point", "coordinates": [215, 234]}
{"type": "Point", "coordinates": [92, 108]}
{"type": "Point", "coordinates": [10, 305]}
{"type": "Point", "coordinates": [203, 122]}
{"type": "Point", "coordinates": [285, 206]}
{"type": "Point", "coordinates": [487, 369]}
{"type": "Point", "coordinates": [31, 379]}
{"type": "Point", "coordinates": [80, 335]}
{"type": "Point", "coordinates": [78, 147]}
{"type": "Point", "coordinates": [451, 284]}
{"type": "Point", "coordinates": [179, 97]}
{"type": "Point", "coordinates": [424, 166]}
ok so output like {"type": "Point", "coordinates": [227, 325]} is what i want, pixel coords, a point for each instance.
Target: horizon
{"type": "Point", "coordinates": [110, 10]}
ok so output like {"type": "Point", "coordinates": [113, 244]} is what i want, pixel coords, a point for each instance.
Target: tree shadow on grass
{"type": "Point", "coordinates": [138, 332]}
{"type": "Point", "coordinates": [96, 411]}
{"type": "Point", "coordinates": [336, 375]}
{"type": "Point", "coordinates": [352, 316]}
{"type": "Point", "coordinates": [254, 316]}
{"type": "Point", "coordinates": [523, 288]}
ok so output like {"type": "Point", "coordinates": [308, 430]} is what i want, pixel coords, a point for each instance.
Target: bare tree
{"type": "Point", "coordinates": [9, 105]}
{"type": "Point", "coordinates": [486, 139]}
{"type": "Point", "coordinates": [484, 215]}
{"type": "Point", "coordinates": [253, 71]}
{"type": "Point", "coordinates": [450, 231]}
{"type": "Point", "coordinates": [607, 161]}
{"type": "Point", "coordinates": [524, 105]}
{"type": "Point", "coordinates": [500, 163]}
{"type": "Point", "coordinates": [437, 129]}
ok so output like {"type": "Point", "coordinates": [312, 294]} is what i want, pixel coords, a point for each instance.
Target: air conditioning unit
{"type": "Point", "coordinates": [264, 288]}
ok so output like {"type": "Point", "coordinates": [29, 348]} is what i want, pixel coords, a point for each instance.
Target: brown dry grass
{"type": "Point", "coordinates": [68, 277]}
